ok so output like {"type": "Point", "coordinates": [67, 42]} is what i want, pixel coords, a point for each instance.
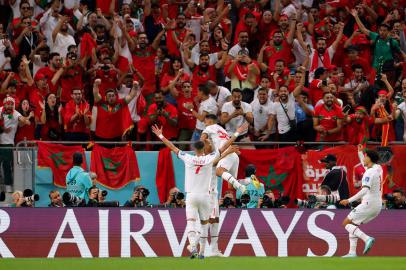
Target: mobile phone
{"type": "Point", "coordinates": [347, 108]}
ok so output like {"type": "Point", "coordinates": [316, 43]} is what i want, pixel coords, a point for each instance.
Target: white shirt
{"type": "Point", "coordinates": [8, 138]}
{"type": "Point", "coordinates": [289, 10]}
{"type": "Point", "coordinates": [2, 56]}
{"type": "Point", "coordinates": [198, 171]}
{"type": "Point", "coordinates": [278, 111]}
{"type": "Point", "coordinates": [234, 123]}
{"type": "Point", "coordinates": [299, 52]}
{"type": "Point", "coordinates": [217, 135]}
{"type": "Point", "coordinates": [209, 106]}
{"type": "Point", "coordinates": [372, 178]}
{"type": "Point", "coordinates": [61, 44]}
{"type": "Point", "coordinates": [261, 113]}
{"type": "Point", "coordinates": [37, 64]}
{"type": "Point", "coordinates": [213, 57]}
{"type": "Point", "coordinates": [221, 96]}
{"type": "Point", "coordinates": [402, 108]}
{"type": "Point", "coordinates": [132, 106]}
{"type": "Point", "coordinates": [235, 49]}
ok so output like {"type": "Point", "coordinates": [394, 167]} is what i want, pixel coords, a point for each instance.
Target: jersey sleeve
{"type": "Point", "coordinates": [366, 179]}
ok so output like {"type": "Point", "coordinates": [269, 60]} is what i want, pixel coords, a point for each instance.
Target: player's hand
{"type": "Point", "coordinates": [243, 128]}
{"type": "Point", "coordinates": [233, 149]}
{"type": "Point", "coordinates": [344, 202]}
{"type": "Point", "coordinates": [156, 130]}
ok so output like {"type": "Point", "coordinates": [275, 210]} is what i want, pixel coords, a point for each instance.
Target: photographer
{"type": "Point", "coordinates": [254, 189]}
{"type": "Point", "coordinates": [56, 199]}
{"type": "Point", "coordinates": [78, 181]}
{"type": "Point", "coordinates": [176, 199]}
{"type": "Point", "coordinates": [312, 201]}
{"type": "Point", "coordinates": [139, 198]}
{"type": "Point", "coordinates": [228, 200]}
{"type": "Point", "coordinates": [269, 201]}
{"type": "Point", "coordinates": [23, 199]}
{"type": "Point", "coordinates": [396, 200]}
{"type": "Point", "coordinates": [93, 197]}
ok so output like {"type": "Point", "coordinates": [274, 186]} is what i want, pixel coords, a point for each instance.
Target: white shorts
{"type": "Point", "coordinates": [364, 213]}
{"type": "Point", "coordinates": [230, 163]}
{"type": "Point", "coordinates": [197, 206]}
{"type": "Point", "coordinates": [214, 205]}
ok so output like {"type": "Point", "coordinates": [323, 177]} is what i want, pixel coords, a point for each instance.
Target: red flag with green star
{"type": "Point", "coordinates": [278, 169]}
{"type": "Point", "coordinates": [115, 167]}
{"type": "Point", "coordinates": [58, 157]}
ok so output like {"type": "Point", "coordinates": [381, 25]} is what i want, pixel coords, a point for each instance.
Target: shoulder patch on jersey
{"type": "Point", "coordinates": [366, 179]}
{"type": "Point", "coordinates": [181, 153]}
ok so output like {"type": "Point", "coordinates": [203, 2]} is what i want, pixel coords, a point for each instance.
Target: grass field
{"type": "Point", "coordinates": [234, 263]}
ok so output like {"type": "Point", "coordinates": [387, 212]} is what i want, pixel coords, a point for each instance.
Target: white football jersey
{"type": "Point", "coordinates": [217, 135]}
{"type": "Point", "coordinates": [198, 171]}
{"type": "Point", "coordinates": [372, 178]}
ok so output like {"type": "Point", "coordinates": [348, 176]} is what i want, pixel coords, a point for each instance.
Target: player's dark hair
{"type": "Point", "coordinates": [373, 155]}
{"type": "Point", "coordinates": [77, 159]}
{"type": "Point", "coordinates": [198, 145]}
{"type": "Point", "coordinates": [211, 116]}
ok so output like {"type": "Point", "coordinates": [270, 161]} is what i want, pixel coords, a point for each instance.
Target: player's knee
{"type": "Point", "coordinates": [346, 221]}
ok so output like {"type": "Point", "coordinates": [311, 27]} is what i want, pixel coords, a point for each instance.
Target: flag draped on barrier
{"type": "Point", "coordinates": [279, 170]}
{"type": "Point", "coordinates": [58, 157]}
{"type": "Point", "coordinates": [115, 167]}
{"type": "Point", "coordinates": [165, 176]}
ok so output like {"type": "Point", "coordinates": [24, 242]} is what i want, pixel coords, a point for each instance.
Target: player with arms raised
{"type": "Point", "coordinates": [371, 204]}
{"type": "Point", "coordinates": [198, 172]}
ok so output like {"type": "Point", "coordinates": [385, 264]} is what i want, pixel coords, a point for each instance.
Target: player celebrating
{"type": "Point", "coordinates": [198, 171]}
{"type": "Point", "coordinates": [371, 204]}
{"type": "Point", "coordinates": [227, 168]}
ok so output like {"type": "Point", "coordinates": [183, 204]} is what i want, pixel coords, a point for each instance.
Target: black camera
{"type": "Point", "coordinates": [71, 200]}
{"type": "Point", "coordinates": [268, 203]}
{"type": "Point", "coordinates": [104, 193]}
{"type": "Point", "coordinates": [105, 68]}
{"type": "Point", "coordinates": [245, 199]}
{"type": "Point", "coordinates": [177, 196]}
{"type": "Point", "coordinates": [227, 202]}
{"type": "Point", "coordinates": [29, 196]}
{"type": "Point", "coordinates": [2, 196]}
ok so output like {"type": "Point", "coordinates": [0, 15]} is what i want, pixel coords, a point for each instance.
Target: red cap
{"type": "Point", "coordinates": [361, 109]}
{"type": "Point", "coordinates": [105, 50]}
{"type": "Point", "coordinates": [284, 16]}
{"type": "Point", "coordinates": [132, 33]}
{"type": "Point", "coordinates": [39, 76]}
{"type": "Point", "coordinates": [382, 92]}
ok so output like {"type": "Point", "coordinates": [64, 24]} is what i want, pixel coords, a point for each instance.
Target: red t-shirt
{"type": "Point", "coordinates": [73, 77]}
{"type": "Point", "coordinates": [358, 132]}
{"type": "Point", "coordinates": [347, 66]}
{"type": "Point", "coordinates": [186, 119]}
{"type": "Point", "coordinates": [169, 131]}
{"type": "Point", "coordinates": [109, 80]}
{"type": "Point", "coordinates": [170, 42]}
{"type": "Point", "coordinates": [144, 62]}
{"type": "Point", "coordinates": [78, 125]}
{"type": "Point", "coordinates": [25, 132]}
{"type": "Point", "coordinates": [328, 120]}
{"type": "Point", "coordinates": [316, 91]}
{"type": "Point", "coordinates": [36, 96]}
{"type": "Point", "coordinates": [201, 77]}
{"type": "Point", "coordinates": [166, 79]}
{"type": "Point", "coordinates": [49, 73]}
{"type": "Point", "coordinates": [273, 53]}
{"type": "Point", "coordinates": [113, 121]}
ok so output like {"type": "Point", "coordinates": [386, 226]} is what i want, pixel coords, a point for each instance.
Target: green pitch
{"type": "Point", "coordinates": [232, 263]}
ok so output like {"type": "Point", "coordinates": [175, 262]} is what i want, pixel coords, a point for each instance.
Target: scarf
{"type": "Point", "coordinates": [382, 113]}
{"type": "Point", "coordinates": [241, 71]}
{"type": "Point", "coordinates": [315, 60]}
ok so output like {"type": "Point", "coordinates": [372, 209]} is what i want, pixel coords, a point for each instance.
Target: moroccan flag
{"type": "Point", "coordinates": [278, 169]}
{"type": "Point", "coordinates": [165, 176]}
{"type": "Point", "coordinates": [58, 157]}
{"type": "Point", "coordinates": [115, 167]}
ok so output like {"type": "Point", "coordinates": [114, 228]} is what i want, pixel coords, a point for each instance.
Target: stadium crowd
{"type": "Point", "coordinates": [294, 70]}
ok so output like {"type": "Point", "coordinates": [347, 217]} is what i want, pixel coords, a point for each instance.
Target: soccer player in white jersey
{"type": "Point", "coordinates": [198, 171]}
{"type": "Point", "coordinates": [371, 203]}
{"type": "Point", "coordinates": [227, 168]}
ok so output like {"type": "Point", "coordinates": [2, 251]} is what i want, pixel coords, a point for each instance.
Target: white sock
{"type": "Point", "coordinates": [229, 178]}
{"type": "Point", "coordinates": [204, 231]}
{"type": "Point", "coordinates": [214, 236]}
{"type": "Point", "coordinates": [191, 234]}
{"type": "Point", "coordinates": [353, 244]}
{"type": "Point", "coordinates": [357, 232]}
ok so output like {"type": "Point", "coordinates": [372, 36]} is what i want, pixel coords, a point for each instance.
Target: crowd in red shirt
{"type": "Point", "coordinates": [350, 52]}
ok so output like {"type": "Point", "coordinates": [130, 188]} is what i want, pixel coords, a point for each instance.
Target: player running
{"type": "Point", "coordinates": [198, 171]}
{"type": "Point", "coordinates": [371, 204]}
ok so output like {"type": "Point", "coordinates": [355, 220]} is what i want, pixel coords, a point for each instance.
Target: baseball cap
{"type": "Point", "coordinates": [39, 76]}
{"type": "Point", "coordinates": [329, 158]}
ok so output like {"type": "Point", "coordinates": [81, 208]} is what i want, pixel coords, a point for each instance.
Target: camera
{"type": "Point", "coordinates": [72, 200]}
{"type": "Point", "coordinates": [177, 196]}
{"type": "Point", "coordinates": [144, 192]}
{"type": "Point", "coordinates": [304, 203]}
{"type": "Point", "coordinates": [245, 199]}
{"type": "Point", "coordinates": [104, 193]}
{"type": "Point", "coordinates": [29, 196]}
{"type": "Point", "coordinates": [105, 68]}
{"type": "Point", "coordinates": [227, 202]}
{"type": "Point", "coordinates": [268, 203]}
{"type": "Point", "coordinates": [2, 196]}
